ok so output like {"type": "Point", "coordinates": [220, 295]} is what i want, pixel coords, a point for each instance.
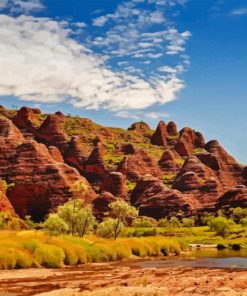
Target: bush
{"type": "Point", "coordinates": [221, 225]}
{"type": "Point", "coordinates": [7, 259]}
{"type": "Point", "coordinates": [188, 222]}
{"type": "Point", "coordinates": [23, 259]}
{"type": "Point", "coordinates": [49, 256]}
{"type": "Point", "coordinates": [144, 222]}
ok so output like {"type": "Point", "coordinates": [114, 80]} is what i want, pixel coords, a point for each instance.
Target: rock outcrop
{"type": "Point", "coordinates": [125, 148]}
{"type": "Point", "coordinates": [201, 181]}
{"type": "Point", "coordinates": [233, 198]}
{"type": "Point", "coordinates": [5, 205]}
{"type": "Point", "coordinates": [159, 137]}
{"type": "Point", "coordinates": [153, 199]}
{"type": "Point", "coordinates": [114, 183]}
{"type": "Point", "coordinates": [171, 161]}
{"type": "Point", "coordinates": [76, 154]}
{"type": "Point", "coordinates": [41, 183]}
{"type": "Point", "coordinates": [94, 168]}
{"type": "Point", "coordinates": [139, 127]}
{"type": "Point", "coordinates": [139, 164]}
{"type": "Point", "coordinates": [55, 153]}
{"type": "Point", "coordinates": [172, 129]}
{"type": "Point", "coordinates": [230, 172]}
{"type": "Point", "coordinates": [51, 133]}
{"type": "Point", "coordinates": [101, 205]}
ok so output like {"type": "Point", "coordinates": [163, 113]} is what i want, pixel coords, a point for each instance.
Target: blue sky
{"type": "Point", "coordinates": [121, 61]}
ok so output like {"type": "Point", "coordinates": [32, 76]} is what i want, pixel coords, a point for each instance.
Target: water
{"type": "Point", "coordinates": [208, 258]}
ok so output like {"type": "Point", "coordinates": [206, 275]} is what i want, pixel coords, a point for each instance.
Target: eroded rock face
{"type": "Point", "coordinates": [25, 116]}
{"type": "Point", "coordinates": [153, 199]}
{"type": "Point", "coordinates": [172, 129]}
{"type": "Point", "coordinates": [5, 205]}
{"type": "Point", "coordinates": [171, 161]}
{"type": "Point", "coordinates": [233, 198]}
{"type": "Point", "coordinates": [199, 180]}
{"type": "Point", "coordinates": [76, 154]}
{"type": "Point", "coordinates": [160, 135]}
{"type": "Point", "coordinates": [139, 164]}
{"type": "Point", "coordinates": [101, 205]}
{"type": "Point", "coordinates": [51, 132]}
{"type": "Point", "coordinates": [41, 183]}
{"type": "Point", "coordinates": [125, 148]}
{"type": "Point", "coordinates": [55, 153]}
{"type": "Point", "coordinates": [140, 127]}
{"type": "Point", "coordinates": [114, 183]}
{"type": "Point", "coordinates": [230, 172]}
{"type": "Point", "coordinates": [94, 167]}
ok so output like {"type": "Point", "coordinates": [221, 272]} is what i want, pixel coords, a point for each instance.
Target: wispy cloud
{"type": "Point", "coordinates": [239, 11]}
{"type": "Point", "coordinates": [21, 6]}
{"type": "Point", "coordinates": [113, 70]}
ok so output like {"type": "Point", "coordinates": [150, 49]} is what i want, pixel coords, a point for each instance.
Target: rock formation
{"type": "Point", "coordinates": [172, 129]}
{"type": "Point", "coordinates": [94, 168]}
{"type": "Point", "coordinates": [233, 198]}
{"type": "Point", "coordinates": [76, 154]}
{"type": "Point", "coordinates": [55, 153]}
{"type": "Point", "coordinates": [171, 161]}
{"type": "Point", "coordinates": [5, 205]}
{"type": "Point", "coordinates": [114, 183]}
{"type": "Point", "coordinates": [160, 135]}
{"type": "Point", "coordinates": [153, 199]}
{"type": "Point", "coordinates": [41, 183]}
{"type": "Point", "coordinates": [201, 181]}
{"type": "Point", "coordinates": [51, 133]}
{"type": "Point", "coordinates": [101, 205]}
{"type": "Point", "coordinates": [139, 127]}
{"type": "Point", "coordinates": [230, 172]}
{"type": "Point", "coordinates": [139, 164]}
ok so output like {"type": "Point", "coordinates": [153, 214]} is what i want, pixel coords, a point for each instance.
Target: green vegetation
{"type": "Point", "coordinates": [25, 249]}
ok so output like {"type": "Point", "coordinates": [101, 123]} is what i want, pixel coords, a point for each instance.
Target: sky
{"type": "Point", "coordinates": [120, 61]}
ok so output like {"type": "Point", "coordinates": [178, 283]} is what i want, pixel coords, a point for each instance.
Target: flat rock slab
{"type": "Point", "coordinates": [123, 278]}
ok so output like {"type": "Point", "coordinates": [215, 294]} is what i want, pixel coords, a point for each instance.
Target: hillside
{"type": "Point", "coordinates": [163, 172]}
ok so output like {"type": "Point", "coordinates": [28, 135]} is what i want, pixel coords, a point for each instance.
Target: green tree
{"type": "Point", "coordinates": [188, 222]}
{"type": "Point", "coordinates": [55, 225]}
{"type": "Point", "coordinates": [122, 214]}
{"type": "Point", "coordinates": [110, 228]}
{"type": "Point", "coordinates": [174, 221]}
{"type": "Point", "coordinates": [85, 220]}
{"type": "Point", "coordinates": [221, 225]}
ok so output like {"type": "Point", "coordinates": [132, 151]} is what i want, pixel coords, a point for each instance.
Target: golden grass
{"type": "Point", "coordinates": [24, 249]}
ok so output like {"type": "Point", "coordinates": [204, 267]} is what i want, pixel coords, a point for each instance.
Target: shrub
{"type": "Point", "coordinates": [7, 259]}
{"type": "Point", "coordinates": [144, 222]}
{"type": "Point", "coordinates": [49, 256]}
{"type": "Point", "coordinates": [23, 259]}
{"type": "Point", "coordinates": [188, 222]}
{"type": "Point", "coordinates": [55, 225]}
{"type": "Point", "coordinates": [221, 225]}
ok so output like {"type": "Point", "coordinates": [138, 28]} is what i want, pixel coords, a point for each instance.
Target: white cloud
{"type": "Point", "coordinates": [156, 115]}
{"type": "Point", "coordinates": [21, 6]}
{"type": "Point", "coordinates": [41, 63]}
{"type": "Point", "coordinates": [239, 11]}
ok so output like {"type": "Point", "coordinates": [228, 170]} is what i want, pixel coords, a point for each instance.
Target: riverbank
{"type": "Point", "coordinates": [128, 277]}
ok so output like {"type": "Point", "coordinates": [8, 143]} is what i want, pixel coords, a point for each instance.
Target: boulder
{"type": "Point", "coordinates": [126, 148]}
{"type": "Point", "coordinates": [101, 205]}
{"type": "Point", "coordinates": [172, 129]}
{"type": "Point", "coordinates": [114, 183]}
{"type": "Point", "coordinates": [139, 164]}
{"type": "Point", "coordinates": [160, 135]}
{"type": "Point", "coordinates": [139, 127]}
{"type": "Point", "coordinates": [25, 117]}
{"type": "Point", "coordinates": [155, 200]}
{"type": "Point", "coordinates": [41, 183]}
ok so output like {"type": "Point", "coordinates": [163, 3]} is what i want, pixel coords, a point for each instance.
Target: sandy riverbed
{"type": "Point", "coordinates": [124, 279]}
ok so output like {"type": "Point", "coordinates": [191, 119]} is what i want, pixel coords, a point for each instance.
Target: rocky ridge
{"type": "Point", "coordinates": [162, 172]}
